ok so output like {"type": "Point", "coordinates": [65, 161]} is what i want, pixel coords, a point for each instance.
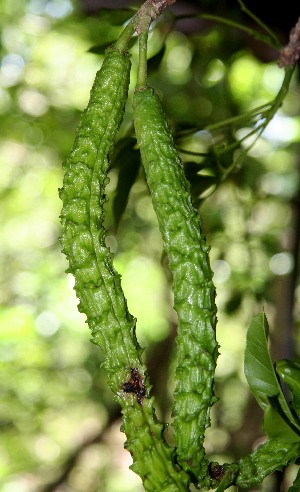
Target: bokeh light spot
{"type": "Point", "coordinates": [47, 324]}
{"type": "Point", "coordinates": [281, 263]}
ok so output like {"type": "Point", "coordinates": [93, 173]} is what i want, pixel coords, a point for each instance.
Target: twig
{"type": "Point", "coordinates": [290, 53]}
{"type": "Point", "coordinates": [148, 12]}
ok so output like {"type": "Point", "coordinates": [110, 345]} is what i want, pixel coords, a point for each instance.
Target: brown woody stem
{"type": "Point", "coordinates": [148, 12]}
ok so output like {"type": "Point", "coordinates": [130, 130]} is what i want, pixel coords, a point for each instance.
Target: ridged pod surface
{"type": "Point", "coordinates": [194, 292]}
{"type": "Point", "coordinates": [268, 457]}
{"type": "Point", "coordinates": [98, 285]}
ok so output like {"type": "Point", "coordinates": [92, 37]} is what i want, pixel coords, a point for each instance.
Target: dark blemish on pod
{"type": "Point", "coordinates": [135, 385]}
{"type": "Point", "coordinates": [216, 471]}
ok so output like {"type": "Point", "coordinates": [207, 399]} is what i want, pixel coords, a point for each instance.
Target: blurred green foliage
{"type": "Point", "coordinates": [55, 405]}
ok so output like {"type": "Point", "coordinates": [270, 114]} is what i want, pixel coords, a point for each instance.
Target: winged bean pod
{"type": "Point", "coordinates": [194, 292]}
{"type": "Point", "coordinates": [83, 236]}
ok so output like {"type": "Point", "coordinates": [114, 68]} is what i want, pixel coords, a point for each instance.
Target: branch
{"type": "Point", "coordinates": [290, 53]}
{"type": "Point", "coordinates": [149, 11]}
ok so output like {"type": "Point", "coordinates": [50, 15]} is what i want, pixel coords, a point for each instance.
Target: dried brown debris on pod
{"type": "Point", "coordinates": [135, 385]}
{"type": "Point", "coordinates": [216, 471]}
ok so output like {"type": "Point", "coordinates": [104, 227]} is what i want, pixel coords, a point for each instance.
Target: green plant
{"type": "Point", "coordinates": [97, 284]}
{"type": "Point", "coordinates": [289, 372]}
{"type": "Point", "coordinates": [98, 287]}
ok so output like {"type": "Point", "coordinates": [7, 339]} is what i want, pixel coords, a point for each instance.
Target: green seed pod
{"type": "Point", "coordinates": [98, 285]}
{"type": "Point", "coordinates": [194, 292]}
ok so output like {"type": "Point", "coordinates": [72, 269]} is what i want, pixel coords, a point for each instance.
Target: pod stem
{"type": "Point", "coordinates": [141, 82]}
{"type": "Point", "coordinates": [148, 12]}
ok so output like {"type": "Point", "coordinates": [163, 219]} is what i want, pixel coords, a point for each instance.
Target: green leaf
{"type": "Point", "coordinates": [276, 426]}
{"type": "Point", "coordinates": [259, 370]}
{"type": "Point", "coordinates": [289, 372]}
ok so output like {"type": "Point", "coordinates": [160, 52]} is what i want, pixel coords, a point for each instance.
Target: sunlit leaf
{"type": "Point", "coordinates": [259, 370]}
